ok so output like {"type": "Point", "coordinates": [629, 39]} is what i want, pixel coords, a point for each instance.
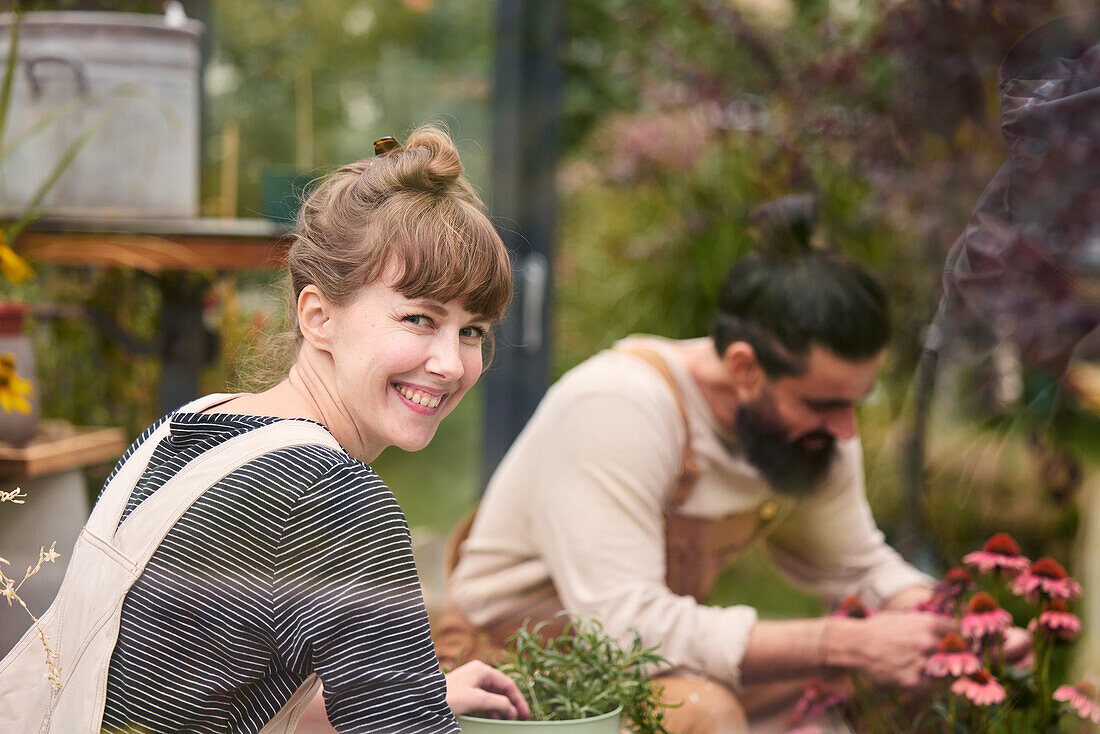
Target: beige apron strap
{"type": "Point", "coordinates": [286, 721]}
{"type": "Point", "coordinates": [145, 527]}
{"type": "Point", "coordinates": [112, 501]}
{"type": "Point", "coordinates": [91, 606]}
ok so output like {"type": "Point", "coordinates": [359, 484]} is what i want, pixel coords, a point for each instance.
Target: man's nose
{"type": "Point", "coordinates": [841, 423]}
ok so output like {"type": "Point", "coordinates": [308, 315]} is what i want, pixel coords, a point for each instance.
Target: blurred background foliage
{"type": "Point", "coordinates": [679, 118]}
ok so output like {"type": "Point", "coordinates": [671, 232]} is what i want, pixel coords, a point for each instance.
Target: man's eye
{"type": "Point", "coordinates": [418, 319]}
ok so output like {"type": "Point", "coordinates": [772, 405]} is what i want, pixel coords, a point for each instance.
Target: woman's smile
{"type": "Point", "coordinates": [420, 399]}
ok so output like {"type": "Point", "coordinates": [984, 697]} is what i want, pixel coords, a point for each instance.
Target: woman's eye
{"type": "Point", "coordinates": [473, 332]}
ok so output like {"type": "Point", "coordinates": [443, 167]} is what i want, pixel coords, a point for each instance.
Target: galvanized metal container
{"type": "Point", "coordinates": [132, 82]}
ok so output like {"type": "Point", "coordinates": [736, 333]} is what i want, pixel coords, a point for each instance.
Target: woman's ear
{"type": "Point", "coordinates": [315, 318]}
{"type": "Point", "coordinates": [745, 372]}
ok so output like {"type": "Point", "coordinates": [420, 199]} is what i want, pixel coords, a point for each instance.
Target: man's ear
{"type": "Point", "coordinates": [744, 370]}
{"type": "Point", "coordinates": [315, 318]}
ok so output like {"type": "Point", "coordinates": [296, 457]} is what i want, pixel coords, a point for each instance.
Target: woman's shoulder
{"type": "Point", "coordinates": [329, 476]}
{"type": "Point", "coordinates": [310, 461]}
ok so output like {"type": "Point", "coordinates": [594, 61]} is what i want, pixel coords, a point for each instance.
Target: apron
{"type": "Point", "coordinates": [82, 624]}
{"type": "Point", "coordinates": [696, 550]}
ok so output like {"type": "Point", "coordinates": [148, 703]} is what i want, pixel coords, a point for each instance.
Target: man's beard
{"type": "Point", "coordinates": [788, 466]}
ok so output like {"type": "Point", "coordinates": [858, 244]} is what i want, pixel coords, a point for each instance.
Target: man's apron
{"type": "Point", "coordinates": [696, 550]}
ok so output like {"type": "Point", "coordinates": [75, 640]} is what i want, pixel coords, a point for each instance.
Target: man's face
{"type": "Point", "coordinates": [789, 432]}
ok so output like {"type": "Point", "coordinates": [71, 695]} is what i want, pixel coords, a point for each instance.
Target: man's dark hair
{"type": "Point", "coordinates": [790, 296]}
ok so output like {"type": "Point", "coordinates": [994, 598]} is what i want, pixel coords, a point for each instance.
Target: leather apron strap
{"type": "Point", "coordinates": [696, 549]}
{"type": "Point", "coordinates": [688, 569]}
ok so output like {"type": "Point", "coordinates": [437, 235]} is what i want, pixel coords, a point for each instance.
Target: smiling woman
{"type": "Point", "coordinates": [402, 363]}
{"type": "Point", "coordinates": [264, 555]}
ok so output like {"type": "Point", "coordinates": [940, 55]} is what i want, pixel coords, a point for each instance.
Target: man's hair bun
{"type": "Point", "coordinates": [785, 226]}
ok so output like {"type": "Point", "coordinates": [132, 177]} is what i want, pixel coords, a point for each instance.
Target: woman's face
{"type": "Point", "coordinates": [402, 364]}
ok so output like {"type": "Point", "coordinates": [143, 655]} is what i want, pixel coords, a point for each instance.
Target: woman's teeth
{"type": "Point", "coordinates": [428, 401]}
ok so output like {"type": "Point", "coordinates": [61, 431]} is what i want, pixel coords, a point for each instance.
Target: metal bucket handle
{"type": "Point", "coordinates": [73, 63]}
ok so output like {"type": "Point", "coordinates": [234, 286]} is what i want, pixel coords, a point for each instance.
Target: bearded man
{"type": "Point", "coordinates": [654, 464]}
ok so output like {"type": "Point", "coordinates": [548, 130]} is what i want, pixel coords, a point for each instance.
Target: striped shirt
{"type": "Point", "coordinates": [298, 562]}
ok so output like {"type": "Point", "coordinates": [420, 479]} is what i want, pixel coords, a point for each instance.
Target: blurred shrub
{"type": "Point", "coordinates": [682, 116]}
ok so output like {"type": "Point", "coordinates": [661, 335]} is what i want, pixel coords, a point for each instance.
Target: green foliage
{"type": "Point", "coordinates": [682, 117]}
{"type": "Point", "coordinates": [584, 672]}
{"type": "Point", "coordinates": [754, 581]}
{"type": "Point", "coordinates": [86, 375]}
{"type": "Point", "coordinates": [313, 84]}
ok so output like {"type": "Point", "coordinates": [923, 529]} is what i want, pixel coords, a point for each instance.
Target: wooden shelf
{"type": "Point", "coordinates": [87, 446]}
{"type": "Point", "coordinates": [156, 245]}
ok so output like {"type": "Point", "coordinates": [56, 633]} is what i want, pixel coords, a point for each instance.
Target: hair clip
{"type": "Point", "coordinates": [385, 145]}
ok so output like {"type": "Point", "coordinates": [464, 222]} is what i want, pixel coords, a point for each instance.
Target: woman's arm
{"type": "Point", "coordinates": [471, 688]}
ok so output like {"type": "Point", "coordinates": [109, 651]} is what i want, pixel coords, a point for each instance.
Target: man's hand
{"type": "Point", "coordinates": [1018, 647]}
{"type": "Point", "coordinates": [891, 648]}
{"type": "Point", "coordinates": [478, 688]}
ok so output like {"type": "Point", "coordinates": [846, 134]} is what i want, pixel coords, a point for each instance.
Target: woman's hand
{"type": "Point", "coordinates": [478, 688]}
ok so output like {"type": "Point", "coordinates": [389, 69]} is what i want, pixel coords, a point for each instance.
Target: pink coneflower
{"type": "Point", "coordinates": [1046, 576]}
{"type": "Point", "coordinates": [1082, 699]}
{"type": "Point", "coordinates": [984, 618]}
{"type": "Point", "coordinates": [1000, 553]}
{"type": "Point", "coordinates": [952, 657]}
{"type": "Point", "coordinates": [1057, 621]}
{"type": "Point", "coordinates": [956, 582]}
{"type": "Point", "coordinates": [853, 607]}
{"type": "Point", "coordinates": [937, 604]}
{"type": "Point", "coordinates": [817, 698]}
{"type": "Point", "coordinates": [980, 687]}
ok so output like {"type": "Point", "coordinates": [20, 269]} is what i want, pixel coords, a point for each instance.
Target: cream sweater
{"type": "Point", "coordinates": [579, 500]}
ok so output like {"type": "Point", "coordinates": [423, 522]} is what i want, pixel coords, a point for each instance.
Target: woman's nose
{"type": "Point", "coordinates": [445, 359]}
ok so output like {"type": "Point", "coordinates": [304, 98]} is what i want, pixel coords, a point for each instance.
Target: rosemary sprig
{"type": "Point", "coordinates": [585, 672]}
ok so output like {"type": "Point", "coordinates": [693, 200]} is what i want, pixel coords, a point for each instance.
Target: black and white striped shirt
{"type": "Point", "coordinates": [298, 562]}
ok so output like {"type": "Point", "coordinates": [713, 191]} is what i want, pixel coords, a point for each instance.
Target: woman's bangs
{"type": "Point", "coordinates": [453, 254]}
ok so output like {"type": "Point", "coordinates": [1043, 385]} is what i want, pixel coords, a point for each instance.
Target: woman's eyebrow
{"type": "Point", "coordinates": [429, 305]}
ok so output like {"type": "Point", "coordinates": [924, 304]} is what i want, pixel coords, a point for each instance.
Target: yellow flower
{"type": "Point", "coordinates": [12, 265]}
{"type": "Point", "coordinates": [13, 388]}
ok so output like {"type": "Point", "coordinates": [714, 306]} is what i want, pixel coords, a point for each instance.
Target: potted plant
{"type": "Point", "coordinates": [581, 680]}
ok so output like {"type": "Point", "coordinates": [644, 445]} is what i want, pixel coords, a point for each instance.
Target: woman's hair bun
{"type": "Point", "coordinates": [428, 160]}
{"type": "Point", "coordinates": [785, 226]}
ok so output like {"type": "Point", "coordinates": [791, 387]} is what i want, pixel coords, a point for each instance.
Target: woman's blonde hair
{"type": "Point", "coordinates": [410, 208]}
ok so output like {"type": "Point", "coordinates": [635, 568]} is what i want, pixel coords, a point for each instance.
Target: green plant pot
{"type": "Point", "coordinates": [603, 724]}
{"type": "Point", "coordinates": [283, 191]}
